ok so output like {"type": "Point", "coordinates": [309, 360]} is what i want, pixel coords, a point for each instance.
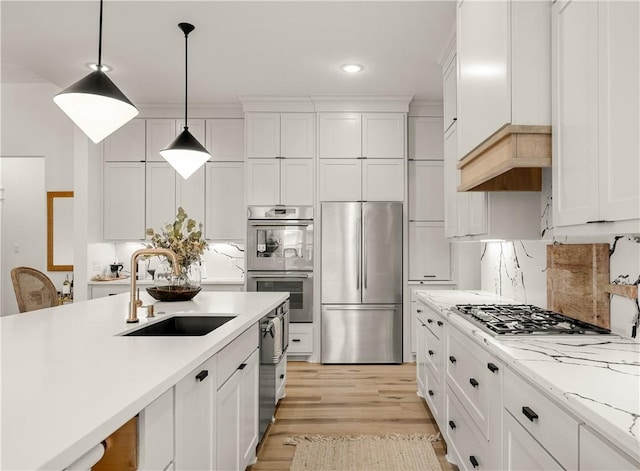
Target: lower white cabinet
{"type": "Point", "coordinates": [156, 434]}
{"type": "Point", "coordinates": [429, 249]}
{"type": "Point", "coordinates": [225, 209]}
{"type": "Point", "coordinates": [362, 180]}
{"type": "Point", "coordinates": [597, 455]}
{"type": "Point", "coordinates": [420, 338]}
{"type": "Point", "coordinates": [124, 201]}
{"type": "Point", "coordinates": [522, 452]}
{"type": "Point", "coordinates": [300, 339]}
{"type": "Point", "coordinates": [280, 181]}
{"type": "Point", "coordinates": [195, 416]}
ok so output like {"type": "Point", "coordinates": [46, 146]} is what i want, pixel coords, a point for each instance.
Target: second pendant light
{"type": "Point", "coordinates": [185, 154]}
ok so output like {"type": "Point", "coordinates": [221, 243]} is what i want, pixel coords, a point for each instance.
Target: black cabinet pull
{"type": "Point", "coordinates": [473, 382]}
{"type": "Point", "coordinates": [440, 323]}
{"type": "Point", "coordinates": [492, 367]}
{"type": "Point", "coordinates": [420, 311]}
{"type": "Point", "coordinates": [242, 366]}
{"type": "Point", "coordinates": [295, 340]}
{"type": "Point", "coordinates": [452, 359]}
{"type": "Point", "coordinates": [430, 392]}
{"type": "Point", "coordinates": [474, 461]}
{"type": "Point", "coordinates": [202, 375]}
{"type": "Point", "coordinates": [529, 414]}
{"type": "Point", "coordinates": [281, 376]}
{"type": "Point", "coordinates": [430, 352]}
{"type": "Point", "coordinates": [429, 321]}
{"type": "Point", "coordinates": [452, 424]}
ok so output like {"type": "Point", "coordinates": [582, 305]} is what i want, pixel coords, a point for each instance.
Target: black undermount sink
{"type": "Point", "coordinates": [182, 326]}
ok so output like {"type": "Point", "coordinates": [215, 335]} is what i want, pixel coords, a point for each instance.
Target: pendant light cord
{"type": "Point", "coordinates": [186, 82]}
{"type": "Point", "coordinates": [100, 40]}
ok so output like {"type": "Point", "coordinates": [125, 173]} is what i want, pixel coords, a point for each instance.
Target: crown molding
{"type": "Point", "coordinates": [299, 104]}
{"type": "Point", "coordinates": [219, 110]}
{"type": "Point", "coordinates": [362, 103]}
{"type": "Point", "coordinates": [426, 108]}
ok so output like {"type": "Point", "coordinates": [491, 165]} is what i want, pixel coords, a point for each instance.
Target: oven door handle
{"type": "Point", "coordinates": [281, 222]}
{"type": "Point", "coordinates": [301, 275]}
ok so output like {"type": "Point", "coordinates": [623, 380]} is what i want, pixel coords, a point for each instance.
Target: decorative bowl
{"type": "Point", "coordinates": [173, 293]}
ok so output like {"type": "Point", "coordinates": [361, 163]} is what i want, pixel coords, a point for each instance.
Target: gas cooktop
{"type": "Point", "coordinates": [524, 319]}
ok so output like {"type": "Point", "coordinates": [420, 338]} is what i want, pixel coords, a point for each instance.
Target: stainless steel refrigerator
{"type": "Point", "coordinates": [361, 246]}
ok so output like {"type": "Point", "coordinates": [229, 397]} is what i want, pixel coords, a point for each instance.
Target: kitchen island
{"type": "Point", "coordinates": [594, 379]}
{"type": "Point", "coordinates": [70, 379]}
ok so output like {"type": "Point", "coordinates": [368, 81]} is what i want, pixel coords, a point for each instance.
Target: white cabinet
{"type": "Point", "coordinates": [249, 409]}
{"type": "Point", "coordinates": [596, 59]}
{"type": "Point", "coordinates": [161, 195]}
{"type": "Point", "coordinates": [340, 135]}
{"type": "Point", "coordinates": [124, 200]}
{"type": "Point", "coordinates": [289, 135]}
{"type": "Point", "coordinates": [522, 452]}
{"type": "Point", "coordinates": [195, 417]}
{"type": "Point", "coordinates": [161, 132]}
{"type": "Point", "coordinates": [451, 196]}
{"type": "Point", "coordinates": [450, 81]}
{"type": "Point", "coordinates": [503, 51]}
{"type": "Point", "coordinates": [300, 339]}
{"type": "Point", "coordinates": [225, 139]}
{"type": "Point", "coordinates": [225, 209]}
{"type": "Point", "coordinates": [429, 249]}
{"type": "Point", "coordinates": [425, 138]}
{"type": "Point", "coordinates": [383, 135]}
{"type": "Point", "coordinates": [190, 195]}
{"type": "Point", "coordinates": [419, 346]}
{"type": "Point", "coordinates": [156, 434]}
{"type": "Point", "coordinates": [280, 181]}
{"type": "Point", "coordinates": [127, 144]}
{"type": "Point", "coordinates": [362, 180]}
{"type": "Point", "coordinates": [597, 455]}
{"type": "Point", "coordinates": [426, 190]}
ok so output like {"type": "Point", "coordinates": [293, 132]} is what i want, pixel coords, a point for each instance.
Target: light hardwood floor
{"type": "Point", "coordinates": [346, 399]}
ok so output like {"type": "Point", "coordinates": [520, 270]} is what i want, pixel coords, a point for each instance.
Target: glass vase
{"type": "Point", "coordinates": [189, 277]}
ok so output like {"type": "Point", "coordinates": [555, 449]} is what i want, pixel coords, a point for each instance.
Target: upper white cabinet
{"type": "Point", "coordinates": [127, 144]}
{"type": "Point", "coordinates": [271, 135]}
{"type": "Point", "coordinates": [190, 195]}
{"type": "Point", "coordinates": [362, 135]}
{"type": "Point", "coordinates": [450, 99]}
{"type": "Point", "coordinates": [225, 139]}
{"type": "Point", "coordinates": [425, 138]}
{"type": "Point", "coordinates": [280, 181]}
{"type": "Point", "coordinates": [450, 183]}
{"type": "Point", "coordinates": [362, 180]}
{"type": "Point", "coordinates": [124, 200]}
{"type": "Point", "coordinates": [503, 54]}
{"type": "Point", "coordinates": [161, 195]}
{"type": "Point", "coordinates": [426, 189]}
{"type": "Point", "coordinates": [596, 71]}
{"type": "Point", "coordinates": [225, 209]}
{"type": "Point", "coordinates": [429, 249]}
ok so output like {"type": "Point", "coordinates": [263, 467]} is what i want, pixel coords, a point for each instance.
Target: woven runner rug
{"type": "Point", "coordinates": [392, 452]}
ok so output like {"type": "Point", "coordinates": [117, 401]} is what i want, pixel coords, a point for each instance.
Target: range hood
{"type": "Point", "coordinates": [510, 160]}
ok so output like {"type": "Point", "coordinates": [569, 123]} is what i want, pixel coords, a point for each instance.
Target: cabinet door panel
{"type": "Point", "coordinates": [225, 139]}
{"type": "Point", "coordinates": [425, 138]}
{"type": "Point", "coordinates": [383, 135]}
{"type": "Point", "coordinates": [227, 436]}
{"type": "Point", "coordinates": [161, 195]}
{"type": "Point", "coordinates": [263, 181]}
{"type": "Point", "coordinates": [160, 133]}
{"type": "Point", "coordinates": [248, 418]}
{"type": "Point", "coordinates": [521, 451]}
{"type": "Point", "coordinates": [296, 179]}
{"type": "Point", "coordinates": [263, 135]}
{"type": "Point", "coordinates": [450, 184]}
{"type": "Point", "coordinates": [596, 455]}
{"type": "Point", "coordinates": [428, 252]}
{"type": "Point", "coordinates": [297, 135]}
{"type": "Point", "coordinates": [196, 128]}
{"type": "Point", "coordinates": [190, 194]}
{"type": "Point", "coordinates": [225, 201]}
{"type": "Point", "coordinates": [426, 191]}
{"type": "Point", "coordinates": [383, 180]}
{"type": "Point", "coordinates": [127, 144]}
{"type": "Point", "coordinates": [156, 433]}
{"type": "Point", "coordinates": [449, 94]}
{"type": "Point", "coordinates": [340, 180]}
{"type": "Point", "coordinates": [340, 135]}
{"type": "Point", "coordinates": [124, 201]}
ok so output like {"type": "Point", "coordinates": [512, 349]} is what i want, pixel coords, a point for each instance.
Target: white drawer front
{"type": "Point", "coordinates": [231, 356]}
{"type": "Point", "coordinates": [434, 354]}
{"type": "Point", "coordinates": [466, 365]}
{"type": "Point", "coordinates": [300, 339]}
{"type": "Point", "coordinates": [433, 320]}
{"type": "Point", "coordinates": [435, 398]}
{"type": "Point", "coordinates": [556, 431]}
{"type": "Point", "coordinates": [281, 379]}
{"type": "Point", "coordinates": [469, 448]}
{"type": "Point", "coordinates": [522, 452]}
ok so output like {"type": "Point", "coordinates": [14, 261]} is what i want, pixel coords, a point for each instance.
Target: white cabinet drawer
{"type": "Point", "coordinates": [300, 339]}
{"type": "Point", "coordinates": [469, 376]}
{"type": "Point", "coordinates": [281, 379]}
{"type": "Point", "coordinates": [433, 321]}
{"type": "Point", "coordinates": [469, 448]}
{"type": "Point", "coordinates": [556, 430]}
{"type": "Point", "coordinates": [522, 452]}
{"type": "Point", "coordinates": [434, 354]}
{"type": "Point", "coordinates": [597, 455]}
{"type": "Point", "coordinates": [435, 398]}
{"type": "Point", "coordinates": [234, 354]}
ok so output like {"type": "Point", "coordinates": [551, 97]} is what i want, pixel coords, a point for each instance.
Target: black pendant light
{"type": "Point", "coordinates": [185, 154]}
{"type": "Point", "coordinates": [94, 103]}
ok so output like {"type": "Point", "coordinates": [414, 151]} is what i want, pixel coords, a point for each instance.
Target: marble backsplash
{"type": "Point", "coordinates": [517, 269]}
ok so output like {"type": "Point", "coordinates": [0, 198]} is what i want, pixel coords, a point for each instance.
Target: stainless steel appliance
{"type": "Point", "coordinates": [274, 341]}
{"type": "Point", "coordinates": [524, 319]}
{"type": "Point", "coordinates": [361, 282]}
{"type": "Point", "coordinates": [280, 255]}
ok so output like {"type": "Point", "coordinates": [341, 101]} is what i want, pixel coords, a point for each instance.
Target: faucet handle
{"type": "Point", "coordinates": [150, 311]}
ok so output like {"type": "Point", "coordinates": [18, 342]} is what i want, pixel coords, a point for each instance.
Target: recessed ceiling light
{"type": "Point", "coordinates": [352, 68]}
{"type": "Point", "coordinates": [103, 67]}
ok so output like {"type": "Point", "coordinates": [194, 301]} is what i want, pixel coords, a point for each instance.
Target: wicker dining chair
{"type": "Point", "coordinates": [34, 290]}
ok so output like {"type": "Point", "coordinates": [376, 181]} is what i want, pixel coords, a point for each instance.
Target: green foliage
{"type": "Point", "coordinates": [188, 246]}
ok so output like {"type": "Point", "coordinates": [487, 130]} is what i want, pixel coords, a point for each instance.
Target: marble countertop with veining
{"type": "Point", "coordinates": [597, 378]}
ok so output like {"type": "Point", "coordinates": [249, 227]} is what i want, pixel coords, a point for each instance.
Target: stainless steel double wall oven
{"type": "Point", "coordinates": [280, 255]}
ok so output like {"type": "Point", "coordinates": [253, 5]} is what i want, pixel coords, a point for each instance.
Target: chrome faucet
{"type": "Point", "coordinates": [134, 303]}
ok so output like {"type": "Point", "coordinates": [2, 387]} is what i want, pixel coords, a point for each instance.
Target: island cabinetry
{"type": "Point", "coordinates": [597, 454]}
{"type": "Point", "coordinates": [156, 434]}
{"type": "Point", "coordinates": [522, 451]}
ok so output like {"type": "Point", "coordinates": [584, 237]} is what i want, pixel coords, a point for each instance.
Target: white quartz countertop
{"type": "Point", "coordinates": [595, 377]}
{"type": "Point", "coordinates": [204, 281]}
{"type": "Point", "coordinates": [69, 380]}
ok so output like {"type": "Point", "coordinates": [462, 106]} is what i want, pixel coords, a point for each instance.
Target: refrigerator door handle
{"type": "Point", "coordinates": [358, 307]}
{"type": "Point", "coordinates": [358, 254]}
{"type": "Point", "coordinates": [365, 255]}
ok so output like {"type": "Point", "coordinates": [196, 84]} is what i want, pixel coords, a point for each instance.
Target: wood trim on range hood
{"type": "Point", "coordinates": [510, 160]}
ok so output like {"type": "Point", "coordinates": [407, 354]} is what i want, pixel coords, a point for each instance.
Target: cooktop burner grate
{"type": "Point", "coordinates": [520, 319]}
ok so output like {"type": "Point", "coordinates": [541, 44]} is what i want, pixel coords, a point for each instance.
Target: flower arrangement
{"type": "Point", "coordinates": [188, 246]}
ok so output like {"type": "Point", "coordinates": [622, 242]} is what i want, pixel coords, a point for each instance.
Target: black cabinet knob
{"type": "Point", "coordinates": [202, 375]}
{"type": "Point", "coordinates": [429, 321]}
{"type": "Point", "coordinates": [430, 392]}
{"type": "Point", "coordinates": [452, 425]}
{"type": "Point", "coordinates": [473, 382]}
{"type": "Point", "coordinates": [430, 352]}
{"type": "Point", "coordinates": [529, 414]}
{"type": "Point", "coordinates": [452, 359]}
{"type": "Point", "coordinates": [440, 323]}
{"type": "Point", "coordinates": [492, 367]}
{"type": "Point", "coordinates": [474, 461]}
{"type": "Point", "coordinates": [281, 376]}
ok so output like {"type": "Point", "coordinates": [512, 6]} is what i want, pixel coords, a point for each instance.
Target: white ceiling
{"type": "Point", "coordinates": [287, 48]}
